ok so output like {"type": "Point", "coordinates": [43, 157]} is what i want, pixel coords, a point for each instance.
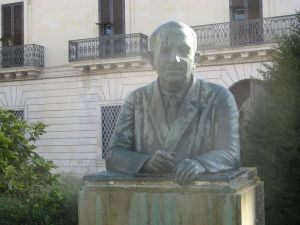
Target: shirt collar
{"type": "Point", "coordinates": [166, 95]}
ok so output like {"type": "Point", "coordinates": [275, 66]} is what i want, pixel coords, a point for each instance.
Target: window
{"type": "Point", "coordinates": [12, 35]}
{"type": "Point", "coordinates": [245, 32]}
{"type": "Point", "coordinates": [239, 14]}
{"type": "Point", "coordinates": [12, 24]}
{"type": "Point", "coordinates": [18, 113]}
{"type": "Point", "coordinates": [238, 10]}
{"type": "Point", "coordinates": [111, 17]}
{"type": "Point", "coordinates": [109, 117]}
{"type": "Point", "coordinates": [245, 9]}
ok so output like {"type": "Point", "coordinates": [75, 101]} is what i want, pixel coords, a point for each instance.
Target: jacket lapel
{"type": "Point", "coordinates": [158, 115]}
{"type": "Point", "coordinates": [186, 114]}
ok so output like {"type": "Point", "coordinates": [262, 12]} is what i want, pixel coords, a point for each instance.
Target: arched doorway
{"type": "Point", "coordinates": [246, 92]}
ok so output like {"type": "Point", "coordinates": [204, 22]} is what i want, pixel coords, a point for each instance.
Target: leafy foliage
{"type": "Point", "coordinates": [29, 193]}
{"type": "Point", "coordinates": [272, 140]}
{"type": "Point", "coordinates": [22, 171]}
{"type": "Point", "coordinates": [54, 205]}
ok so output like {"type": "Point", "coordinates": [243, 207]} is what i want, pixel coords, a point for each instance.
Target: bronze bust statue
{"type": "Point", "coordinates": [177, 124]}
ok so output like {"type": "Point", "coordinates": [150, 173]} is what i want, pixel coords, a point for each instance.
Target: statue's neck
{"type": "Point", "coordinates": [174, 87]}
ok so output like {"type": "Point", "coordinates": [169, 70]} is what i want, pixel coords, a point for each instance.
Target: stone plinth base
{"type": "Point", "coordinates": [232, 198]}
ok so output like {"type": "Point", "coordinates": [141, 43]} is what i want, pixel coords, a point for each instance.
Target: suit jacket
{"type": "Point", "coordinates": [206, 129]}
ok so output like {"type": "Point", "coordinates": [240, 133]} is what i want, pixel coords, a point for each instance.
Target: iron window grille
{"type": "Point", "coordinates": [18, 113]}
{"type": "Point", "coordinates": [109, 117]}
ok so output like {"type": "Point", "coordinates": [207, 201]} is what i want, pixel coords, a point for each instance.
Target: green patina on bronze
{"type": "Point", "coordinates": [177, 124]}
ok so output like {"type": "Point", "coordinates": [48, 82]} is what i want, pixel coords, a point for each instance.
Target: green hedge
{"type": "Point", "coordinates": [55, 205]}
{"type": "Point", "coordinates": [272, 140]}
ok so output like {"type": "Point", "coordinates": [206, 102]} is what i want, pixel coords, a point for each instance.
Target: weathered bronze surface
{"type": "Point", "coordinates": [177, 124]}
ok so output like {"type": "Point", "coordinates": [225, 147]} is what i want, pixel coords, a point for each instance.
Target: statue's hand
{"type": "Point", "coordinates": [161, 161]}
{"type": "Point", "coordinates": [188, 170]}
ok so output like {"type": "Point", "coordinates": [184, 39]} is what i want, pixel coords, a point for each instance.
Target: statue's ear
{"type": "Point", "coordinates": [151, 59]}
{"type": "Point", "coordinates": [197, 57]}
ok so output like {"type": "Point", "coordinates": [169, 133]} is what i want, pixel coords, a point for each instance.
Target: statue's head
{"type": "Point", "coordinates": [173, 47]}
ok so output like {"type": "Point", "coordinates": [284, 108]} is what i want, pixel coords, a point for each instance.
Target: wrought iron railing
{"type": "Point", "coordinates": [106, 47]}
{"type": "Point", "coordinates": [244, 32]}
{"type": "Point", "coordinates": [22, 55]}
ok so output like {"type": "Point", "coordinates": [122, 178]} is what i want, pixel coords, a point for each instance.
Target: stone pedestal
{"type": "Point", "coordinates": [232, 198]}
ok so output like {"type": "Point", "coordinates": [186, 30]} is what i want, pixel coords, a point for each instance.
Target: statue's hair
{"type": "Point", "coordinates": [168, 25]}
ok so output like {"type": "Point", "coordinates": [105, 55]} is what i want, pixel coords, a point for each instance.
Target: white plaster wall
{"type": "Point", "coordinates": [52, 23]}
{"type": "Point", "coordinates": [227, 75]}
{"type": "Point", "coordinates": [280, 7]}
{"type": "Point", "coordinates": [146, 15]}
{"type": "Point", "coordinates": [55, 22]}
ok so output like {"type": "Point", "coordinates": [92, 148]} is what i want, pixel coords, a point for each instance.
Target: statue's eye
{"type": "Point", "coordinates": [184, 50]}
{"type": "Point", "coordinates": [165, 51]}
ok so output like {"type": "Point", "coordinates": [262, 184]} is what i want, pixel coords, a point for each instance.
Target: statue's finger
{"type": "Point", "coordinates": [161, 166]}
{"type": "Point", "coordinates": [168, 166]}
{"type": "Point", "coordinates": [164, 161]}
{"type": "Point", "coordinates": [189, 170]}
{"type": "Point", "coordinates": [184, 178]}
{"type": "Point", "coordinates": [194, 176]}
{"type": "Point", "coordinates": [177, 174]}
{"type": "Point", "coordinates": [181, 175]}
{"type": "Point", "coordinates": [190, 176]}
{"type": "Point", "coordinates": [184, 171]}
{"type": "Point", "coordinates": [158, 158]}
{"type": "Point", "coordinates": [168, 156]}
{"type": "Point", "coordinates": [157, 164]}
{"type": "Point", "coordinates": [164, 164]}
{"type": "Point", "coordinates": [165, 155]}
{"type": "Point", "coordinates": [153, 168]}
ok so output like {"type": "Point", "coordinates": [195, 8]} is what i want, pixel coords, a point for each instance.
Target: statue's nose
{"type": "Point", "coordinates": [174, 57]}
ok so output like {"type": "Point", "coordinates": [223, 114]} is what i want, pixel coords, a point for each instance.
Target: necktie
{"type": "Point", "coordinates": [172, 109]}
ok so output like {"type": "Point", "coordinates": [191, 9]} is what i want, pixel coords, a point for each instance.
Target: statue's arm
{"type": "Point", "coordinates": [225, 154]}
{"type": "Point", "coordinates": [121, 156]}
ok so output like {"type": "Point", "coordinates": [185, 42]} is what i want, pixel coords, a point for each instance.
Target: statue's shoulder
{"type": "Point", "coordinates": [212, 88]}
{"type": "Point", "coordinates": [142, 92]}
{"type": "Point", "coordinates": [147, 89]}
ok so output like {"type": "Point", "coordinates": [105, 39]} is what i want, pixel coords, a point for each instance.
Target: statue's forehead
{"type": "Point", "coordinates": [175, 35]}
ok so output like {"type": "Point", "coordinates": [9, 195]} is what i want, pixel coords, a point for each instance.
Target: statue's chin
{"type": "Point", "coordinates": [172, 86]}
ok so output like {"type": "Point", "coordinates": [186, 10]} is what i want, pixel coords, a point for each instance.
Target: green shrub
{"type": "Point", "coordinates": [55, 205]}
{"type": "Point", "coordinates": [22, 171]}
{"type": "Point", "coordinates": [272, 141]}
{"type": "Point", "coordinates": [29, 193]}
{"type": "Point", "coordinates": [68, 210]}
{"type": "Point", "coordinates": [12, 211]}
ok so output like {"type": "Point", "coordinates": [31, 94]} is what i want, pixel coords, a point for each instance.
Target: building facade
{"type": "Point", "coordinates": [71, 64]}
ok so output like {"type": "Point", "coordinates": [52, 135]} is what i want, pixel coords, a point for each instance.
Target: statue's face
{"type": "Point", "coordinates": [173, 57]}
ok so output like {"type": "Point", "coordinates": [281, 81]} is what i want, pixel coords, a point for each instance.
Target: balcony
{"type": "Point", "coordinates": [19, 62]}
{"type": "Point", "coordinates": [116, 52]}
{"type": "Point", "coordinates": [242, 40]}
{"type": "Point", "coordinates": [222, 43]}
